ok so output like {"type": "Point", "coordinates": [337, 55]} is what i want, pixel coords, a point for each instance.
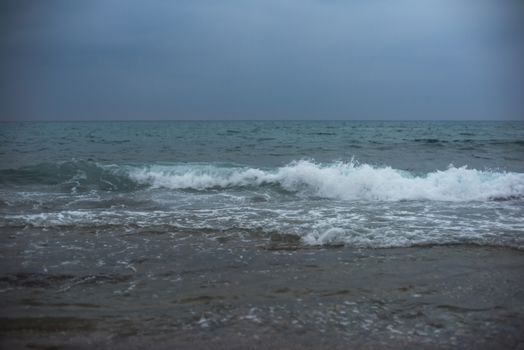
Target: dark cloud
{"type": "Point", "coordinates": [274, 59]}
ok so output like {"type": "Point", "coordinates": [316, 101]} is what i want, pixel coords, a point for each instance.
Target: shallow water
{"type": "Point", "coordinates": [211, 289]}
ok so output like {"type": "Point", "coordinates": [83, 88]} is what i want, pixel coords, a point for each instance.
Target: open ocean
{"type": "Point", "coordinates": [242, 232]}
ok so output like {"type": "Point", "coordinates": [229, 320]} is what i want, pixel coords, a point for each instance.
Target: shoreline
{"type": "Point", "coordinates": [425, 297]}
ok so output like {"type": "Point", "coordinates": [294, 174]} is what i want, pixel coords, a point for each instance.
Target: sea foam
{"type": "Point", "coordinates": [342, 180]}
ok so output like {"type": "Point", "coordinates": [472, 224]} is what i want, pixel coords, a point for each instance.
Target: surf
{"type": "Point", "coordinates": [342, 180]}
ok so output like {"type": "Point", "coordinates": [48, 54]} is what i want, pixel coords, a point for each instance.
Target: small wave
{"type": "Point", "coordinates": [343, 180]}
{"type": "Point", "coordinates": [71, 175]}
{"type": "Point", "coordinates": [429, 140]}
{"type": "Point", "coordinates": [316, 232]}
{"type": "Point", "coordinates": [509, 143]}
{"type": "Point", "coordinates": [322, 133]}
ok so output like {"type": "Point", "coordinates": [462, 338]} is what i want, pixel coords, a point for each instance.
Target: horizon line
{"type": "Point", "coordinates": [256, 120]}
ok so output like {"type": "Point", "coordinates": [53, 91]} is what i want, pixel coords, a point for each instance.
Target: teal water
{"type": "Point", "coordinates": [372, 184]}
{"type": "Point", "coordinates": [412, 146]}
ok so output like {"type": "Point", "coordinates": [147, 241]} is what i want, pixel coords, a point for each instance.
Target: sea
{"type": "Point", "coordinates": [361, 184]}
{"type": "Point", "coordinates": [120, 232]}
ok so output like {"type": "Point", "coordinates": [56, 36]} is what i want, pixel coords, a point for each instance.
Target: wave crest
{"type": "Point", "coordinates": [340, 180]}
{"type": "Point", "coordinates": [343, 180]}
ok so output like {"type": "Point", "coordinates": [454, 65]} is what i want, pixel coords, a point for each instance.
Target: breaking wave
{"type": "Point", "coordinates": [344, 180]}
{"type": "Point", "coordinates": [340, 180]}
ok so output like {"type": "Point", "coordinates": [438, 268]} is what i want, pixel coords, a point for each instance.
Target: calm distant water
{"type": "Point", "coordinates": [362, 184]}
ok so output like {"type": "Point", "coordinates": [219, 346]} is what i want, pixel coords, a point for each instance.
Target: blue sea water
{"type": "Point", "coordinates": [361, 184]}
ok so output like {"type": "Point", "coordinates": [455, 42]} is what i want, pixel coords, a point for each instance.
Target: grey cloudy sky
{"type": "Point", "coordinates": [265, 59]}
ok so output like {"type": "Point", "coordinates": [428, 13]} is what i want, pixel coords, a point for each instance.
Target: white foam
{"type": "Point", "coordinates": [368, 224]}
{"type": "Point", "coordinates": [343, 180]}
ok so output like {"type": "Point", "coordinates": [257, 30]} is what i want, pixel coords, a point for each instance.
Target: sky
{"type": "Point", "coordinates": [264, 59]}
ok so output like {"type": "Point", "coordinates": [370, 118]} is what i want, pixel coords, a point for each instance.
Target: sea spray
{"type": "Point", "coordinates": [342, 180]}
{"type": "Point", "coordinates": [305, 178]}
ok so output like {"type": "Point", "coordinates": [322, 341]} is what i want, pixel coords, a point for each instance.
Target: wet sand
{"type": "Point", "coordinates": [217, 293]}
